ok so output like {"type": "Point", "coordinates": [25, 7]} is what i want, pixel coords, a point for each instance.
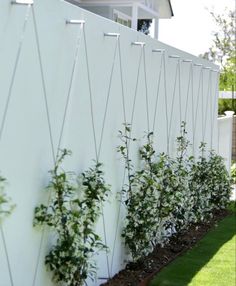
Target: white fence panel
{"type": "Point", "coordinates": [225, 128]}
{"type": "Point", "coordinates": [48, 93]}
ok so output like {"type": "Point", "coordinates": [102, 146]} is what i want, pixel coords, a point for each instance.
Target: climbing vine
{"type": "Point", "coordinates": [210, 183]}
{"type": "Point", "coordinates": [74, 207]}
{"type": "Point", "coordinates": [219, 182]}
{"type": "Point", "coordinates": [172, 186]}
{"type": "Point", "coordinates": [139, 197]}
{"type": "Point", "coordinates": [6, 205]}
{"type": "Point", "coordinates": [199, 176]}
{"type": "Point", "coordinates": [183, 195]}
{"type": "Point", "coordinates": [166, 195]}
{"type": "Point", "coordinates": [166, 181]}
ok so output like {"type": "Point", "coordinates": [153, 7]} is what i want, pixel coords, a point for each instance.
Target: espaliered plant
{"type": "Point", "coordinates": [166, 195]}
{"type": "Point", "coordinates": [219, 182]}
{"type": "Point", "coordinates": [6, 205]}
{"type": "Point", "coordinates": [163, 169]}
{"type": "Point", "coordinates": [211, 184]}
{"type": "Point", "coordinates": [74, 207]}
{"type": "Point", "coordinates": [140, 198]}
{"type": "Point", "coordinates": [183, 211]}
{"type": "Point", "coordinates": [175, 198]}
{"type": "Point", "coordinates": [199, 176]}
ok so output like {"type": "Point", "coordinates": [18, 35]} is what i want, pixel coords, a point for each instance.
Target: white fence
{"type": "Point", "coordinates": [227, 95]}
{"type": "Point", "coordinates": [225, 132]}
{"type": "Point", "coordinates": [71, 86]}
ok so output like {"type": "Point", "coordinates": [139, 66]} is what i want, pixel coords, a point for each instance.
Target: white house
{"type": "Point", "coordinates": [127, 12]}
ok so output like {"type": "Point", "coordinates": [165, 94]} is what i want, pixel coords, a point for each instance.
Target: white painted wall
{"type": "Point", "coordinates": [105, 12]}
{"type": "Point", "coordinates": [25, 147]}
{"type": "Point", "coordinates": [225, 128]}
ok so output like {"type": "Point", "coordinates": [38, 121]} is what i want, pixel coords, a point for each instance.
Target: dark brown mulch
{"type": "Point", "coordinates": [141, 272]}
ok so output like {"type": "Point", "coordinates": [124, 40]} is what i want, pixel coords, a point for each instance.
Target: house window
{"type": "Point", "coordinates": [121, 18]}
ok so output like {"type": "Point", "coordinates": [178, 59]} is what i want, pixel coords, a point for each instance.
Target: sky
{"type": "Point", "coordinates": [191, 27]}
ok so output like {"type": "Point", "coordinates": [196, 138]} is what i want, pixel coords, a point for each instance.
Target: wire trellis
{"type": "Point", "coordinates": [140, 60]}
{"type": "Point", "coordinates": [206, 99]}
{"type": "Point", "coordinates": [162, 70]}
{"type": "Point", "coordinates": [200, 83]}
{"type": "Point", "coordinates": [98, 146]}
{"type": "Point", "coordinates": [162, 53]}
{"type": "Point", "coordinates": [124, 172]}
{"type": "Point", "coordinates": [54, 152]}
{"type": "Point", "coordinates": [214, 109]}
{"type": "Point", "coordinates": [208, 94]}
{"type": "Point", "coordinates": [177, 75]}
{"type": "Point", "coordinates": [3, 122]}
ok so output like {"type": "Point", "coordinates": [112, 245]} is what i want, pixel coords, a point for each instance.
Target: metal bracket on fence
{"type": "Point", "coordinates": [117, 35]}
{"type": "Point", "coordinates": [158, 50]}
{"type": "Point", "coordinates": [75, 22]}
{"type": "Point", "coordinates": [207, 68]}
{"type": "Point", "coordinates": [187, 61]}
{"type": "Point", "coordinates": [197, 65]}
{"type": "Point", "coordinates": [174, 57]}
{"type": "Point", "coordinates": [142, 44]}
{"type": "Point", "coordinates": [22, 2]}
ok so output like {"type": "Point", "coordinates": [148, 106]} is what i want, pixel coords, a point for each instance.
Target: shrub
{"type": "Point", "coordinates": [175, 200]}
{"type": "Point", "coordinates": [199, 185]}
{"type": "Point", "coordinates": [183, 211]}
{"type": "Point", "coordinates": [225, 104]}
{"type": "Point", "coordinates": [211, 184]}
{"type": "Point", "coordinates": [73, 209]}
{"type": "Point", "coordinates": [6, 205]}
{"type": "Point", "coordinates": [140, 198]}
{"type": "Point", "coordinates": [219, 182]}
{"type": "Point", "coordinates": [166, 195]}
{"type": "Point", "coordinates": [165, 188]}
{"type": "Point", "coordinates": [233, 172]}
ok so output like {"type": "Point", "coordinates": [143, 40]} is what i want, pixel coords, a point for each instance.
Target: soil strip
{"type": "Point", "coordinates": [141, 272]}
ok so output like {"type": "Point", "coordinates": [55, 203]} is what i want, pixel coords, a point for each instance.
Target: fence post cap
{"type": "Point", "coordinates": [229, 113]}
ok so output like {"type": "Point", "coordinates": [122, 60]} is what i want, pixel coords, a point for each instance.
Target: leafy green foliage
{"type": "Point", "coordinates": [211, 184]}
{"type": "Point", "coordinates": [223, 48]}
{"type": "Point", "coordinates": [199, 185]}
{"type": "Point", "coordinates": [227, 76]}
{"type": "Point", "coordinates": [144, 26]}
{"type": "Point", "coordinates": [226, 104]}
{"type": "Point", "coordinates": [219, 182]}
{"type": "Point", "coordinates": [183, 196]}
{"type": "Point", "coordinates": [166, 195]}
{"type": "Point", "coordinates": [74, 207]}
{"type": "Point", "coordinates": [233, 172]}
{"type": "Point", "coordinates": [165, 187]}
{"type": "Point", "coordinates": [6, 205]}
{"type": "Point", "coordinates": [232, 206]}
{"type": "Point", "coordinates": [140, 199]}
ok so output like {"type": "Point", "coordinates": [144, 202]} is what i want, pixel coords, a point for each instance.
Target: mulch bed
{"type": "Point", "coordinates": [142, 272]}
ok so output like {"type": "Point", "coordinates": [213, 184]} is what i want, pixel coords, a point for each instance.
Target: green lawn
{"type": "Point", "coordinates": [212, 262]}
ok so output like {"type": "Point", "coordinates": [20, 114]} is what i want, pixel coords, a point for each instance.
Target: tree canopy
{"type": "Point", "coordinates": [223, 48]}
{"type": "Point", "coordinates": [144, 25]}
